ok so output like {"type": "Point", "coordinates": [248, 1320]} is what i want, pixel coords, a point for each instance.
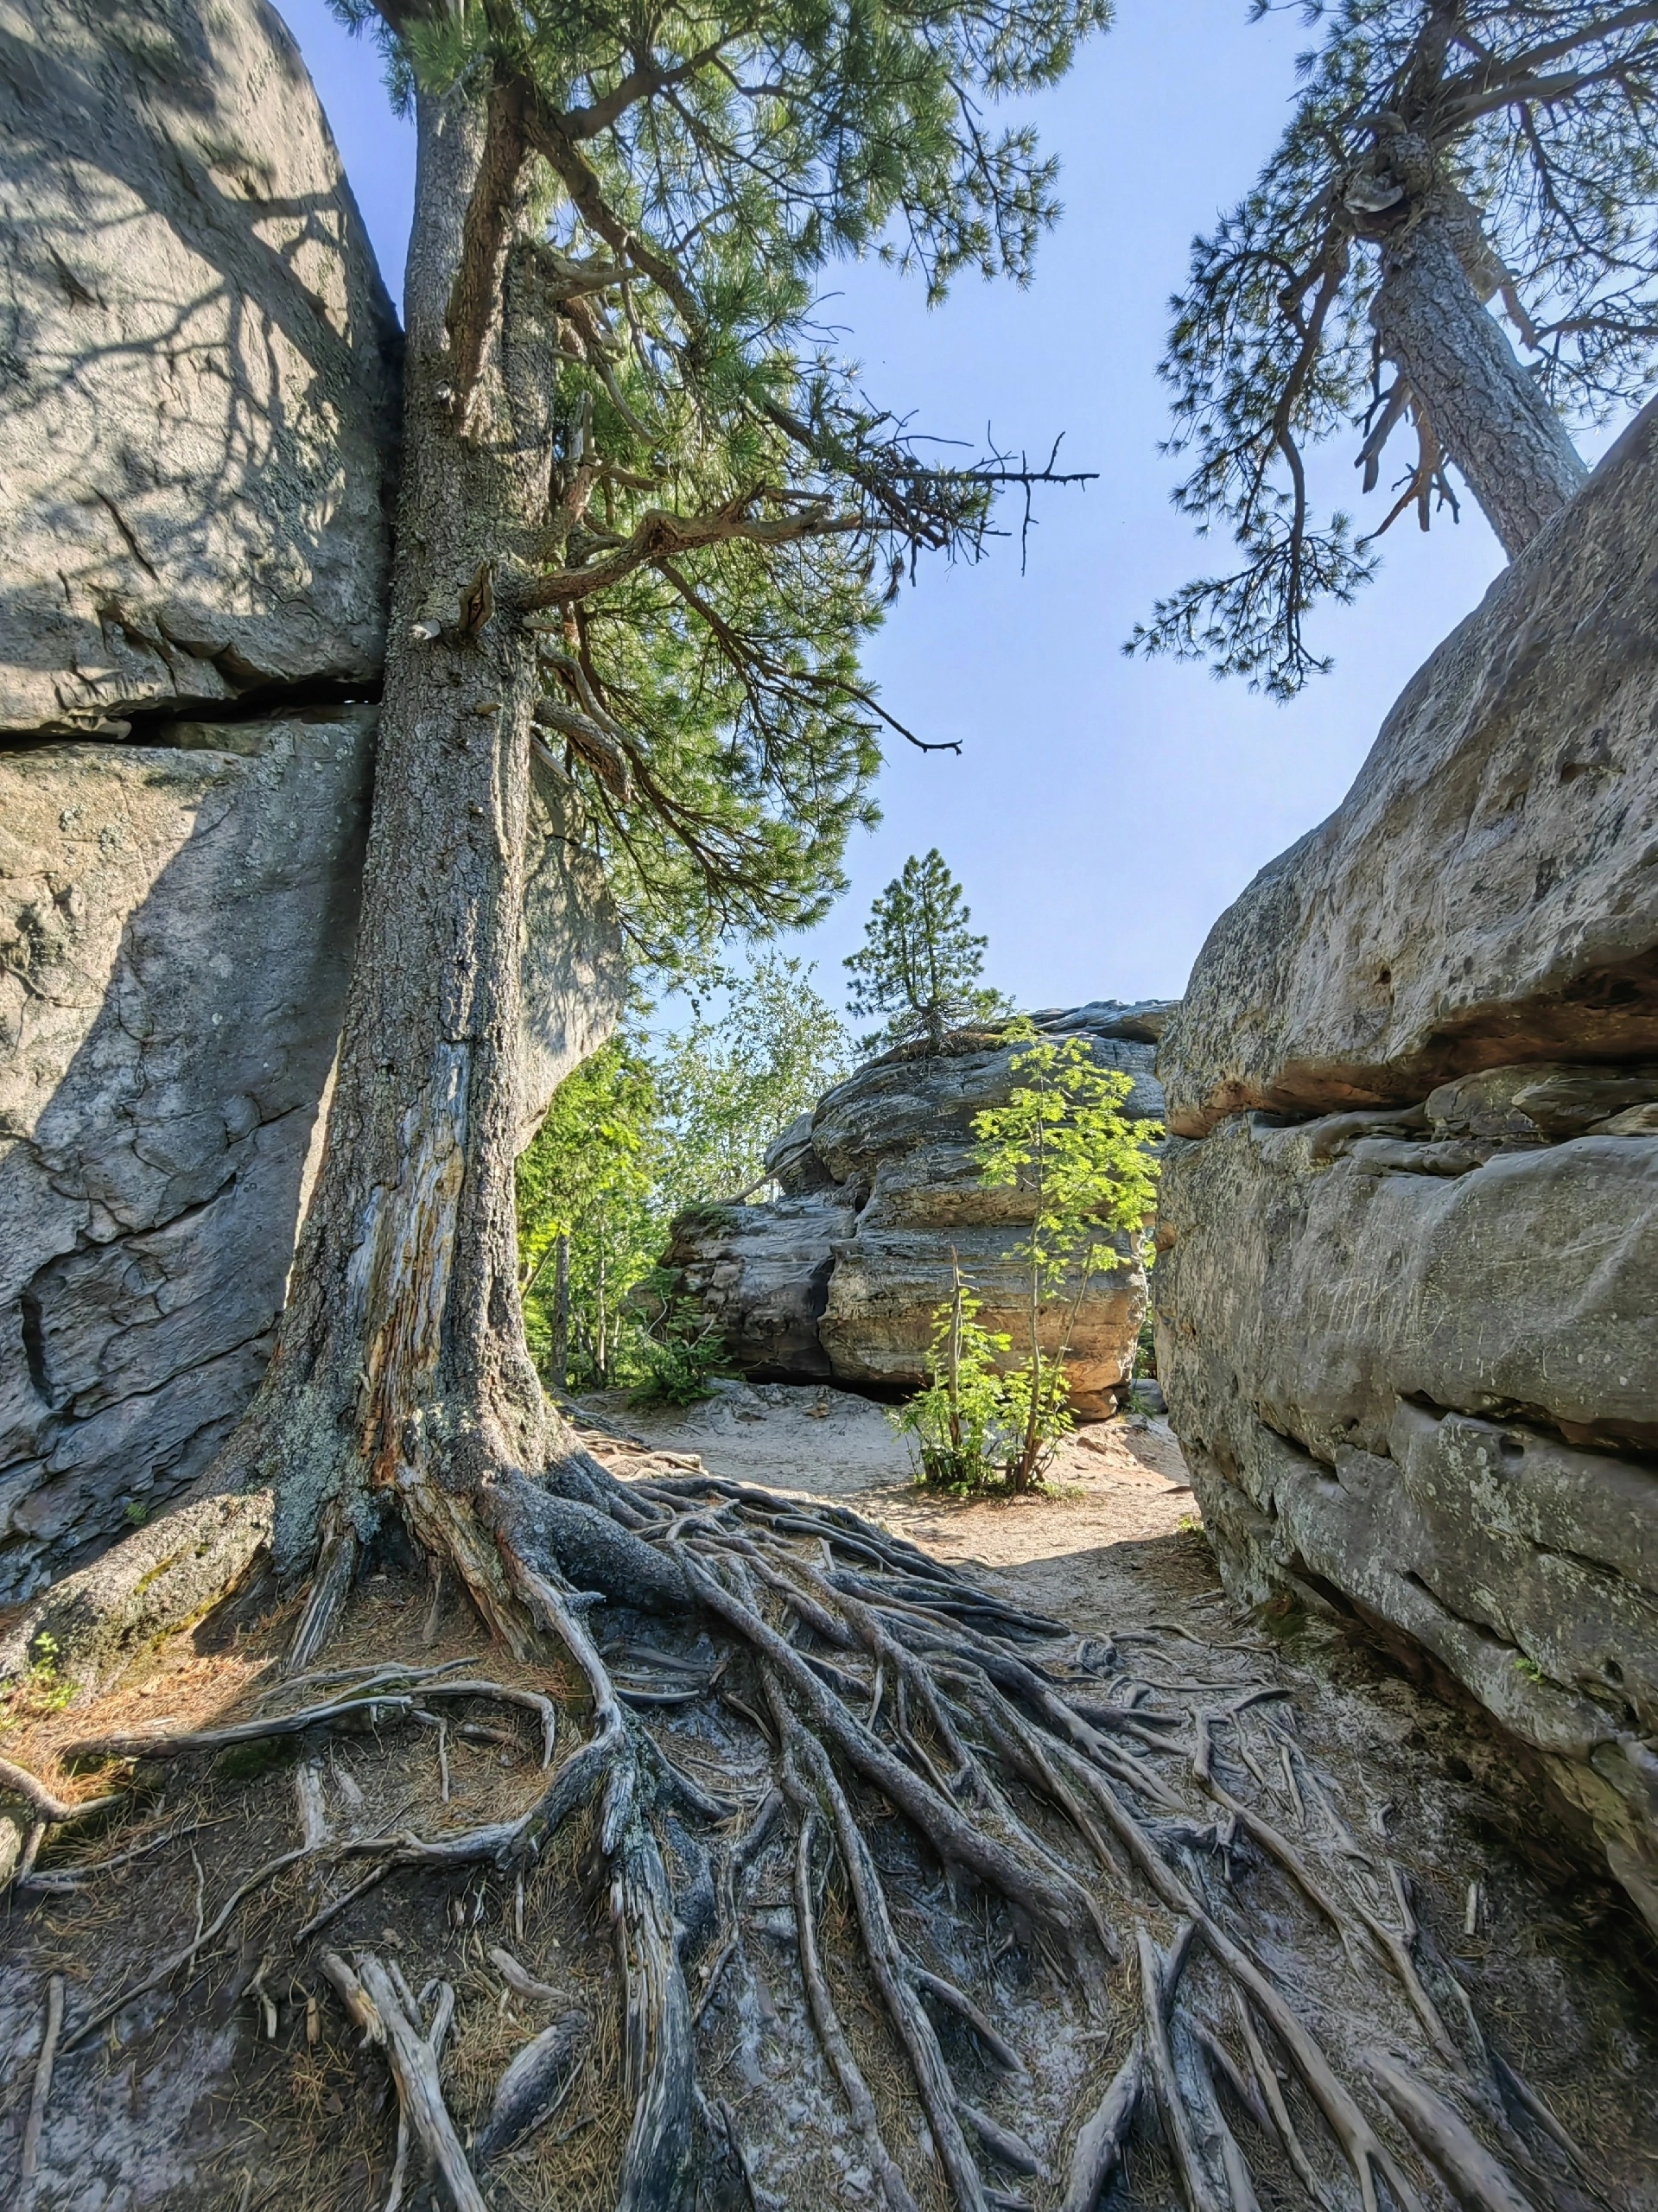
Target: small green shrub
{"type": "Point", "coordinates": [961, 1423]}
{"type": "Point", "coordinates": [976, 1430]}
{"type": "Point", "coordinates": [679, 1348]}
{"type": "Point", "coordinates": [1091, 1176]}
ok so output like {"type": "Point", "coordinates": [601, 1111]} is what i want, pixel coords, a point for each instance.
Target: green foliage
{"type": "Point", "coordinates": [1531, 127]}
{"type": "Point", "coordinates": [767, 1048]}
{"type": "Point", "coordinates": [40, 1689]}
{"type": "Point", "coordinates": [729, 512]}
{"type": "Point", "coordinates": [920, 964]}
{"type": "Point", "coordinates": [962, 1422]}
{"type": "Point", "coordinates": [678, 1349]}
{"type": "Point", "coordinates": [1063, 1138]}
{"type": "Point", "coordinates": [1146, 1345]}
{"type": "Point", "coordinates": [590, 1175]}
{"type": "Point", "coordinates": [650, 1128]}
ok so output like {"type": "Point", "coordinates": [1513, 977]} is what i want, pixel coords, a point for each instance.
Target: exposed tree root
{"type": "Point", "coordinates": [934, 1795]}
{"type": "Point", "coordinates": [375, 1699]}
{"type": "Point", "coordinates": [378, 2000]}
{"type": "Point", "coordinates": [155, 1581]}
{"type": "Point", "coordinates": [40, 2089]}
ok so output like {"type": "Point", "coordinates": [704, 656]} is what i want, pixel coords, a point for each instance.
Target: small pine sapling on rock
{"type": "Point", "coordinates": [921, 965]}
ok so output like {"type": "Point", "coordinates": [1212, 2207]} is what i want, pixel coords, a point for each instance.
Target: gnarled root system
{"type": "Point", "coordinates": [910, 1898]}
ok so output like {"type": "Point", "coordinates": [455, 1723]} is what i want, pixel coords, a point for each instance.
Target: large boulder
{"type": "Point", "coordinates": [198, 369]}
{"type": "Point", "coordinates": [882, 1198]}
{"type": "Point", "coordinates": [175, 925]}
{"type": "Point", "coordinates": [1484, 895]}
{"type": "Point", "coordinates": [1408, 1306]}
{"type": "Point", "coordinates": [761, 1274]}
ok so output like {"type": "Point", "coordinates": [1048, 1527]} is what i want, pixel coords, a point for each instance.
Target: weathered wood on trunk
{"type": "Point", "coordinates": [400, 1370]}
{"type": "Point", "coordinates": [1488, 415]}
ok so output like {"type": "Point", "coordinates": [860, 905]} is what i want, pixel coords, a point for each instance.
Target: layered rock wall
{"type": "Point", "coordinates": [843, 1276]}
{"type": "Point", "coordinates": [1408, 1306]}
{"type": "Point", "coordinates": [176, 925]}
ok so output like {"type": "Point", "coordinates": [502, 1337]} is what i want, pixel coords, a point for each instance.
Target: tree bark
{"type": "Point", "coordinates": [562, 1314]}
{"type": "Point", "coordinates": [400, 1371]}
{"type": "Point", "coordinates": [1488, 415]}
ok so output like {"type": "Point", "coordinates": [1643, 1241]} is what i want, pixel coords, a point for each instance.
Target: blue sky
{"type": "Point", "coordinates": [1103, 811]}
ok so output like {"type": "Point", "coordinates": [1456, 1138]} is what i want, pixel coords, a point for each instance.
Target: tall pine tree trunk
{"type": "Point", "coordinates": [1490, 418]}
{"type": "Point", "coordinates": [401, 1371]}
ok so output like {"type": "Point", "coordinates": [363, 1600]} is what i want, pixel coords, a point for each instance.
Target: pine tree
{"type": "Point", "coordinates": [920, 964]}
{"type": "Point", "coordinates": [1443, 154]}
{"type": "Point", "coordinates": [645, 521]}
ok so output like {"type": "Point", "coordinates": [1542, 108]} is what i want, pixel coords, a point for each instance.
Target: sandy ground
{"type": "Point", "coordinates": [1115, 1486]}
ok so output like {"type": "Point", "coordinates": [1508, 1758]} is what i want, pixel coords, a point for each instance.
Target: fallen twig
{"type": "Point", "coordinates": [170, 1967]}
{"type": "Point", "coordinates": [384, 2011]}
{"type": "Point", "coordinates": [42, 2088]}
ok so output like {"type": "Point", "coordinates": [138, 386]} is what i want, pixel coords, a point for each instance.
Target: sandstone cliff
{"type": "Point", "coordinates": [1408, 1309]}
{"type": "Point", "coordinates": [841, 1276]}
{"type": "Point", "coordinates": [199, 392]}
{"type": "Point", "coordinates": [198, 408]}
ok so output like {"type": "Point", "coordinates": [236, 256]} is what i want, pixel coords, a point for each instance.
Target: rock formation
{"type": "Point", "coordinates": [843, 1275]}
{"type": "Point", "coordinates": [176, 924]}
{"type": "Point", "coordinates": [198, 394]}
{"type": "Point", "coordinates": [1408, 1308]}
{"type": "Point", "coordinates": [198, 404]}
